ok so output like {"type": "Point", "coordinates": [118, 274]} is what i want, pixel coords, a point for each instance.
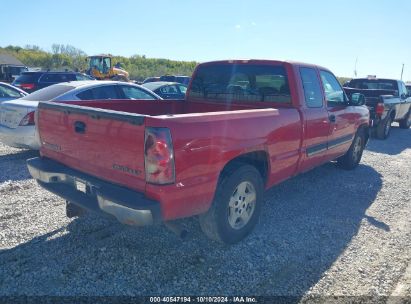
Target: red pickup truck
{"type": "Point", "coordinates": [245, 126]}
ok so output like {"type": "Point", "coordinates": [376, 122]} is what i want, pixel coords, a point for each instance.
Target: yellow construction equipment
{"type": "Point", "coordinates": [101, 67]}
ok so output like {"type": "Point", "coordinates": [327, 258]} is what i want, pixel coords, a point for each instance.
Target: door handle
{"type": "Point", "coordinates": [80, 127]}
{"type": "Point", "coordinates": [331, 118]}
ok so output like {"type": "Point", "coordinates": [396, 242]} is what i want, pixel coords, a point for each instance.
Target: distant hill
{"type": "Point", "coordinates": [70, 57]}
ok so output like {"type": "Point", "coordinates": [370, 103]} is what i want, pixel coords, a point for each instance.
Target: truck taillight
{"type": "Point", "coordinates": [28, 120]}
{"type": "Point", "coordinates": [159, 156]}
{"type": "Point", "coordinates": [379, 109]}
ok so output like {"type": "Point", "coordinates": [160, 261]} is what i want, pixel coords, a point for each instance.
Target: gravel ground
{"type": "Point", "coordinates": [328, 232]}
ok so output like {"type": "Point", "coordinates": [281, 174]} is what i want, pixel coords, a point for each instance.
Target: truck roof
{"type": "Point", "coordinates": [375, 79]}
{"type": "Point", "coordinates": [263, 61]}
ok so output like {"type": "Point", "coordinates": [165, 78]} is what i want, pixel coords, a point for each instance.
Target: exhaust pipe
{"type": "Point", "coordinates": [178, 229]}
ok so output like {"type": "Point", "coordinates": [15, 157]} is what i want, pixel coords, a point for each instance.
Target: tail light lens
{"type": "Point", "coordinates": [379, 110]}
{"type": "Point", "coordinates": [159, 156]}
{"type": "Point", "coordinates": [28, 120]}
{"type": "Point", "coordinates": [27, 86]}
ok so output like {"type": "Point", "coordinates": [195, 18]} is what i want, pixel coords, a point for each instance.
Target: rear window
{"type": "Point", "coordinates": [50, 77]}
{"type": "Point", "coordinates": [248, 83]}
{"type": "Point", "coordinates": [28, 78]}
{"type": "Point", "coordinates": [48, 93]}
{"type": "Point", "coordinates": [373, 84]}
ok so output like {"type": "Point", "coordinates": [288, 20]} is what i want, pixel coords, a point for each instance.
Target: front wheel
{"type": "Point", "coordinates": [236, 206]}
{"type": "Point", "coordinates": [352, 158]}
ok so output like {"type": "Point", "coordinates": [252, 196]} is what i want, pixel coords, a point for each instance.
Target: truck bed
{"type": "Point", "coordinates": [167, 107]}
{"type": "Point", "coordinates": [106, 139]}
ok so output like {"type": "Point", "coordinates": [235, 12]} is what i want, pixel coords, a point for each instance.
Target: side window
{"type": "Point", "coordinates": [183, 89]}
{"type": "Point", "coordinates": [403, 89]}
{"type": "Point", "coordinates": [85, 95]}
{"type": "Point", "coordinates": [104, 92]}
{"type": "Point", "coordinates": [332, 88]}
{"type": "Point", "coordinates": [135, 93]}
{"type": "Point", "coordinates": [312, 88]}
{"type": "Point", "coordinates": [49, 77]}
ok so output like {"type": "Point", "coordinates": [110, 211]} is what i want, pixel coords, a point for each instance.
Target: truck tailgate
{"type": "Point", "coordinates": [107, 144]}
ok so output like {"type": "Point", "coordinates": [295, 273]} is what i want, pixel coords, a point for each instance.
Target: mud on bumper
{"type": "Point", "coordinates": [128, 206]}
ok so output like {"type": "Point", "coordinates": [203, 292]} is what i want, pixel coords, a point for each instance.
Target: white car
{"type": "Point", "coordinates": [17, 126]}
{"type": "Point", "coordinates": [9, 92]}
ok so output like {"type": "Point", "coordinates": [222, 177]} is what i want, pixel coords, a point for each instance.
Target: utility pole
{"type": "Point", "coordinates": [355, 67]}
{"type": "Point", "coordinates": [402, 70]}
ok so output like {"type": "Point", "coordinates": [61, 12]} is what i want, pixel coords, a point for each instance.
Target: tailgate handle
{"type": "Point", "coordinates": [80, 127]}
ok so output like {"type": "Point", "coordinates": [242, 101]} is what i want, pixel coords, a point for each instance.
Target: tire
{"type": "Point", "coordinates": [384, 128]}
{"type": "Point", "coordinates": [405, 123]}
{"type": "Point", "coordinates": [73, 210]}
{"type": "Point", "coordinates": [352, 158]}
{"type": "Point", "coordinates": [237, 205]}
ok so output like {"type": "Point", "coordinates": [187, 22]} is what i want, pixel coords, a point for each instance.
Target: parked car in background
{"type": "Point", "coordinates": [387, 99]}
{"type": "Point", "coordinates": [245, 126]}
{"type": "Point", "coordinates": [183, 79]}
{"type": "Point", "coordinates": [9, 92]}
{"type": "Point", "coordinates": [173, 78]}
{"type": "Point", "coordinates": [17, 125]}
{"type": "Point", "coordinates": [33, 81]}
{"type": "Point", "coordinates": [167, 90]}
{"type": "Point", "coordinates": [169, 78]}
{"type": "Point", "coordinates": [151, 79]}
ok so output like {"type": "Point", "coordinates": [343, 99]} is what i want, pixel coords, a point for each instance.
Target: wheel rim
{"type": "Point", "coordinates": [242, 205]}
{"type": "Point", "coordinates": [357, 149]}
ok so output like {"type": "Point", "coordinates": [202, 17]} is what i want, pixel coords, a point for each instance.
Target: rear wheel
{"type": "Point", "coordinates": [352, 158]}
{"type": "Point", "coordinates": [405, 123]}
{"type": "Point", "coordinates": [73, 210]}
{"type": "Point", "coordinates": [384, 128]}
{"type": "Point", "coordinates": [236, 206]}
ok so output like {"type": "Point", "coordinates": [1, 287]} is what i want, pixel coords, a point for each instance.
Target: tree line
{"type": "Point", "coordinates": [69, 57]}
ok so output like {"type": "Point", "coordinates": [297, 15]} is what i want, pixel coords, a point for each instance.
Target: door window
{"type": "Point", "coordinates": [332, 88]}
{"type": "Point", "coordinates": [135, 93]}
{"type": "Point", "coordinates": [183, 89]}
{"type": "Point", "coordinates": [312, 88]}
{"type": "Point", "coordinates": [104, 92]}
{"type": "Point", "coordinates": [403, 89]}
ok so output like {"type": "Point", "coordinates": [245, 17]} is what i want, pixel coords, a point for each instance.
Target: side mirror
{"type": "Point", "coordinates": [403, 96]}
{"type": "Point", "coordinates": [357, 99]}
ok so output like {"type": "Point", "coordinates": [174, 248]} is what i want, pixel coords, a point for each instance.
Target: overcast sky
{"type": "Point", "coordinates": [329, 33]}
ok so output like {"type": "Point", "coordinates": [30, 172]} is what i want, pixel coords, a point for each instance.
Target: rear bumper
{"type": "Point", "coordinates": [128, 206]}
{"type": "Point", "coordinates": [24, 137]}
